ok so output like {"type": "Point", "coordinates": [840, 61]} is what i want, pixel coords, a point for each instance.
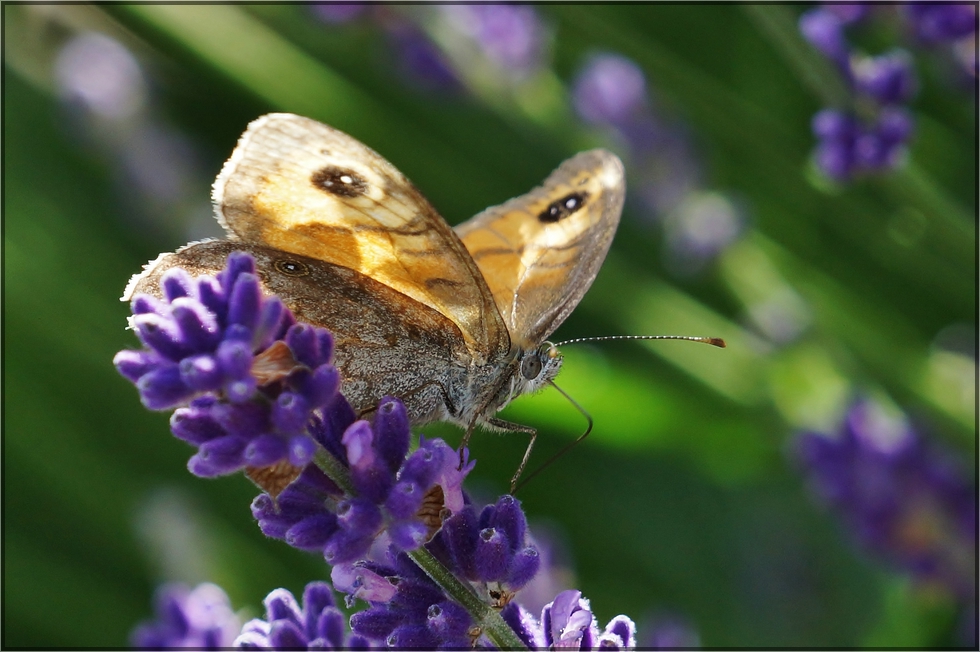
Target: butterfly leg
{"type": "Point", "coordinates": [516, 427]}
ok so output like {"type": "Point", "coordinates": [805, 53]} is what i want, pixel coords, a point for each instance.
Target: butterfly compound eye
{"type": "Point", "coordinates": [291, 268]}
{"type": "Point", "coordinates": [531, 366]}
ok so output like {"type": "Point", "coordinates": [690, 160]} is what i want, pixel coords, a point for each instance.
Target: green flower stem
{"type": "Point", "coordinates": [485, 617]}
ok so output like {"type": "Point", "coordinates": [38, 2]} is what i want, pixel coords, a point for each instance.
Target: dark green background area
{"type": "Point", "coordinates": [682, 501]}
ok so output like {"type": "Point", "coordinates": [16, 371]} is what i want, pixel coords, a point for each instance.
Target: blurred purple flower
{"type": "Point", "coordinates": [825, 31]}
{"type": "Point", "coordinates": [887, 79]}
{"type": "Point", "coordinates": [669, 632]}
{"type": "Point", "coordinates": [201, 618]}
{"type": "Point", "coordinates": [339, 13]}
{"type": "Point", "coordinates": [610, 90]}
{"type": "Point", "coordinates": [102, 75]}
{"type": "Point", "coordinates": [847, 147]}
{"type": "Point", "coordinates": [902, 499]}
{"type": "Point", "coordinates": [419, 59]}
{"type": "Point", "coordinates": [932, 23]}
{"type": "Point", "coordinates": [509, 35]}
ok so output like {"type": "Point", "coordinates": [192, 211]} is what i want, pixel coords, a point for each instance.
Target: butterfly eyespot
{"type": "Point", "coordinates": [531, 366]}
{"type": "Point", "coordinates": [291, 268]}
{"type": "Point", "coordinates": [562, 208]}
{"type": "Point", "coordinates": [338, 181]}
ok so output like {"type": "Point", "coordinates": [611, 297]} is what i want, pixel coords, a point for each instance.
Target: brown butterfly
{"type": "Point", "coordinates": [451, 320]}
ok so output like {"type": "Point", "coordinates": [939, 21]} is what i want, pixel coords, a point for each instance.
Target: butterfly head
{"type": "Point", "coordinates": [537, 367]}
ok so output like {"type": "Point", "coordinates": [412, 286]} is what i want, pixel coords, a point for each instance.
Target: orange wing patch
{"type": "Point", "coordinates": [302, 187]}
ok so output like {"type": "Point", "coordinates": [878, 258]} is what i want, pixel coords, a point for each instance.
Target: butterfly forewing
{"type": "Point", "coordinates": [540, 252]}
{"type": "Point", "coordinates": [299, 186]}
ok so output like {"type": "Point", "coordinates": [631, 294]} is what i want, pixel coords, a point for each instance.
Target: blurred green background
{"type": "Point", "coordinates": [683, 500]}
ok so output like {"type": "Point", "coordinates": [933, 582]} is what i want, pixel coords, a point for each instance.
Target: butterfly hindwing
{"type": "Point", "coordinates": [540, 252]}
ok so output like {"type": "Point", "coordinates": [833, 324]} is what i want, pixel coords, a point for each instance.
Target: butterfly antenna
{"type": "Point", "coordinates": [567, 447]}
{"type": "Point", "coordinates": [713, 341]}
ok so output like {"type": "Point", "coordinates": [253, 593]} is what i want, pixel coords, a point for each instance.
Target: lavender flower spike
{"type": "Point", "coordinates": [246, 379]}
{"type": "Point", "coordinates": [200, 618]}
{"type": "Point", "coordinates": [397, 498]}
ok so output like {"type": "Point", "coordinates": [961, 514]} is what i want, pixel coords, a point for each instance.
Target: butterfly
{"type": "Point", "coordinates": [453, 321]}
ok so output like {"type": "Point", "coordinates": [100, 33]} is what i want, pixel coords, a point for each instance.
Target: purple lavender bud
{"type": "Point", "coordinates": [238, 263]}
{"type": "Point", "coordinates": [160, 334]}
{"type": "Point", "coordinates": [286, 635]}
{"type": "Point", "coordinates": [368, 473]}
{"type": "Point", "coordinates": [212, 297]}
{"type": "Point", "coordinates": [412, 637]}
{"type": "Point", "coordinates": [134, 364]}
{"type": "Point", "coordinates": [825, 31]}
{"type": "Point", "coordinates": [376, 624]}
{"type": "Point", "coordinates": [524, 567]}
{"type": "Point", "coordinates": [493, 555]}
{"type": "Point", "coordinates": [347, 546]}
{"type": "Point", "coordinates": [620, 634]}
{"type": "Point", "coordinates": [218, 457]}
{"type": "Point", "coordinates": [359, 516]}
{"type": "Point", "coordinates": [281, 605]}
{"type": "Point", "coordinates": [525, 625]}
{"type": "Point", "coordinates": [143, 304]}
{"type": "Point", "coordinates": [176, 283]}
{"type": "Point", "coordinates": [449, 623]}
{"type": "Point", "coordinates": [247, 421]}
{"type": "Point", "coordinates": [290, 413]}
{"type": "Point", "coordinates": [265, 450]}
{"type": "Point", "coordinates": [404, 500]}
{"type": "Point", "coordinates": [610, 89]}
{"type": "Point", "coordinates": [235, 358]}
{"type": "Point", "coordinates": [244, 301]}
{"type": "Point", "coordinates": [320, 386]}
{"type": "Point", "coordinates": [509, 517]}
{"type": "Point", "coordinates": [311, 533]}
{"type": "Point", "coordinates": [393, 434]}
{"type": "Point", "coordinates": [201, 618]}
{"type": "Point", "coordinates": [198, 327]}
{"type": "Point", "coordinates": [274, 320]}
{"type": "Point", "coordinates": [460, 533]}
{"type": "Point", "coordinates": [937, 22]}
{"type": "Point", "coordinates": [301, 450]}
{"type": "Point", "coordinates": [302, 341]}
{"type": "Point", "coordinates": [888, 79]}
{"type": "Point", "coordinates": [163, 388]}
{"type": "Point", "coordinates": [201, 372]}
{"type": "Point", "coordinates": [195, 425]}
